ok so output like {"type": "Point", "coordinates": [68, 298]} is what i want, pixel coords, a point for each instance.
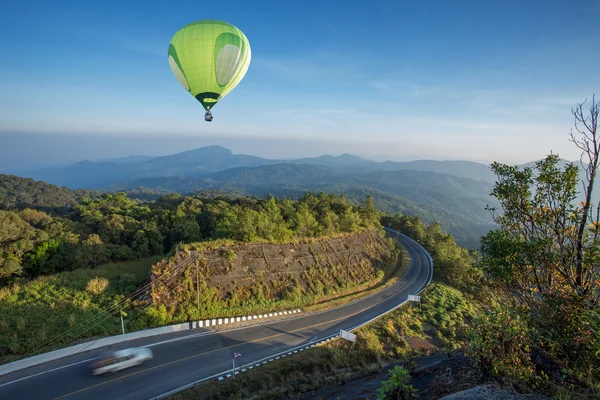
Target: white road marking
{"type": "Point", "coordinates": [181, 338]}
{"type": "Point", "coordinates": [46, 372]}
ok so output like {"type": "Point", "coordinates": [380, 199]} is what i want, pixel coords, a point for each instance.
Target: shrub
{"type": "Point", "coordinates": [397, 386]}
{"type": "Point", "coordinates": [230, 255]}
{"type": "Point", "coordinates": [500, 345]}
{"type": "Point", "coordinates": [97, 285]}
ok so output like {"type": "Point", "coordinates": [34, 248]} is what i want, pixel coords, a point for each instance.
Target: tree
{"type": "Point", "coordinates": [141, 244]}
{"type": "Point", "coordinates": [17, 237]}
{"type": "Point", "coordinates": [349, 220]}
{"type": "Point", "coordinates": [93, 252]}
{"type": "Point", "coordinates": [589, 144]}
{"type": "Point", "coordinates": [370, 213]}
{"type": "Point", "coordinates": [49, 257]}
{"type": "Point", "coordinates": [304, 221]}
{"type": "Point", "coordinates": [272, 225]}
{"type": "Point", "coordinates": [248, 221]}
{"type": "Point", "coordinates": [546, 253]}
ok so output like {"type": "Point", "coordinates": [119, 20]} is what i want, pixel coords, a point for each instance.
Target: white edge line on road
{"type": "Point", "coordinates": [91, 359]}
{"type": "Point", "coordinates": [45, 372]}
{"type": "Point", "coordinates": [186, 337]}
{"type": "Point", "coordinates": [227, 373]}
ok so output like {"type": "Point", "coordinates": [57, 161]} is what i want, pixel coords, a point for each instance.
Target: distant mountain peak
{"type": "Point", "coordinates": [351, 156]}
{"type": "Point", "coordinates": [213, 149]}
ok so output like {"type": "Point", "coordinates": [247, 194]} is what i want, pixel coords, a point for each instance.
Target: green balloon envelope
{"type": "Point", "coordinates": [209, 59]}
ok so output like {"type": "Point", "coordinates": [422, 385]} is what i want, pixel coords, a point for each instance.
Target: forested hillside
{"type": "Point", "coordinates": [21, 193]}
{"type": "Point", "coordinates": [457, 203]}
{"type": "Point", "coordinates": [114, 227]}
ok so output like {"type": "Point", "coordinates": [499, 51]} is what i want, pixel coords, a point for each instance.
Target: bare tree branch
{"type": "Point", "coordinates": [589, 145]}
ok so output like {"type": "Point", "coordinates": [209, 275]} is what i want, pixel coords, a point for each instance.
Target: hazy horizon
{"type": "Point", "coordinates": [16, 153]}
{"type": "Point", "coordinates": [429, 80]}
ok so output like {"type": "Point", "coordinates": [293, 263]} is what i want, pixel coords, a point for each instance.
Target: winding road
{"type": "Point", "coordinates": [186, 357]}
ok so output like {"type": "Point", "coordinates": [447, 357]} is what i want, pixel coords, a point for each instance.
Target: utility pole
{"type": "Point", "coordinates": [347, 270]}
{"type": "Point", "coordinates": [197, 288]}
{"type": "Point", "coordinates": [123, 323]}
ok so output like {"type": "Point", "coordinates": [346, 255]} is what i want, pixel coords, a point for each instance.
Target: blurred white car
{"type": "Point", "coordinates": [121, 359]}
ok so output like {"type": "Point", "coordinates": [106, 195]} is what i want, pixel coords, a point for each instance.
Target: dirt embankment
{"type": "Point", "coordinates": [264, 271]}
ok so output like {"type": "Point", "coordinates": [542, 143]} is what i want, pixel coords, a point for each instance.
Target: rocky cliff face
{"type": "Point", "coordinates": [232, 274]}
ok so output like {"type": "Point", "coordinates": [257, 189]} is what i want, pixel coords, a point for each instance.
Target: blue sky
{"type": "Point", "coordinates": [478, 80]}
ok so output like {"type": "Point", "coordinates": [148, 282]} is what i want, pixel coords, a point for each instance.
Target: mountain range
{"type": "Point", "coordinates": [454, 193]}
{"type": "Point", "coordinates": [210, 159]}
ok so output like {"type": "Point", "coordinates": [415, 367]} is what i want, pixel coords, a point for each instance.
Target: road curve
{"type": "Point", "coordinates": [187, 357]}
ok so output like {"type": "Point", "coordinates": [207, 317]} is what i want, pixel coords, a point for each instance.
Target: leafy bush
{"type": "Point", "coordinates": [397, 386]}
{"type": "Point", "coordinates": [230, 255]}
{"type": "Point", "coordinates": [97, 285]}
{"type": "Point", "coordinates": [500, 344]}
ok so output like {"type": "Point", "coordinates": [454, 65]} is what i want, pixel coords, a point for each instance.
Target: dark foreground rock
{"type": "Point", "coordinates": [489, 392]}
{"type": "Point", "coordinates": [435, 376]}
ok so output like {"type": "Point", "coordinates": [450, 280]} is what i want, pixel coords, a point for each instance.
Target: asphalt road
{"type": "Point", "coordinates": [186, 357]}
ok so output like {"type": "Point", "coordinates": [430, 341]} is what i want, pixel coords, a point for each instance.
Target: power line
{"type": "Point", "coordinates": [104, 314]}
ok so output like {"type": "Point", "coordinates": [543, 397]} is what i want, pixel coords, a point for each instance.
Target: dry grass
{"type": "Point", "coordinates": [366, 289]}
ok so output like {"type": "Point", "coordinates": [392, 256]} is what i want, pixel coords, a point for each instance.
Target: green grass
{"type": "Point", "coordinates": [441, 319]}
{"type": "Point", "coordinates": [51, 311]}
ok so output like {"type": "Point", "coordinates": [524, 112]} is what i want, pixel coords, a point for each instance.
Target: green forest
{"type": "Point", "coordinates": [113, 227]}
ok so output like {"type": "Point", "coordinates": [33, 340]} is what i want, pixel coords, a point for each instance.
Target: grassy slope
{"type": "Point", "coordinates": [55, 308]}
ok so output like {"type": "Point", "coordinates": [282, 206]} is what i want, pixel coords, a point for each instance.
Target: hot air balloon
{"type": "Point", "coordinates": [209, 58]}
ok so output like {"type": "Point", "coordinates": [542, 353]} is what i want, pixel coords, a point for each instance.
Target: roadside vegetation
{"type": "Point", "coordinates": [542, 264]}
{"type": "Point", "coordinates": [54, 311]}
{"type": "Point", "coordinates": [525, 308]}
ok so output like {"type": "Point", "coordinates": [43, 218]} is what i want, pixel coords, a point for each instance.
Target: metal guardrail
{"type": "Point", "coordinates": [225, 374]}
{"type": "Point", "coordinates": [427, 255]}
